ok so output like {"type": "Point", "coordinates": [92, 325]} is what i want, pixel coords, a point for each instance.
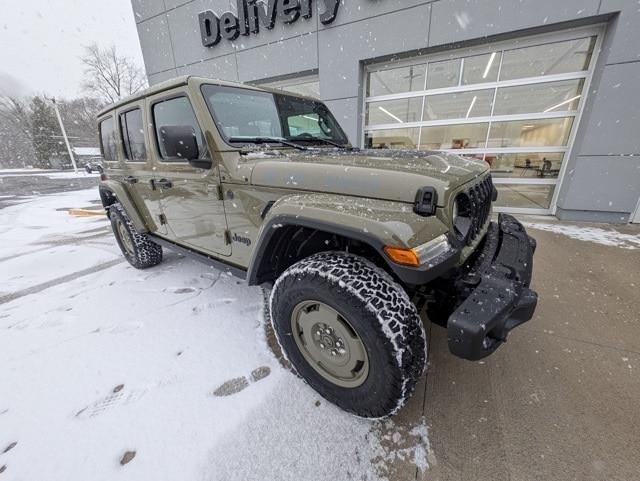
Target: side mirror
{"type": "Point", "coordinates": [179, 141]}
{"type": "Point", "coordinates": [200, 163]}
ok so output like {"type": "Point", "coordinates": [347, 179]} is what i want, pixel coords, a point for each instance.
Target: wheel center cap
{"type": "Point", "coordinates": [327, 341]}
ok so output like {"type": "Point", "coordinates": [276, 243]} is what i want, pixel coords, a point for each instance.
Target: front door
{"type": "Point", "coordinates": [189, 196]}
{"type": "Point", "coordinates": [137, 168]}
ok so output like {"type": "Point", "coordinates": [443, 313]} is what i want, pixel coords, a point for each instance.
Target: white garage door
{"type": "Point", "coordinates": [515, 105]}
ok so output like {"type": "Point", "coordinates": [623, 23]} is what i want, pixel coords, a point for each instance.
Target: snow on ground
{"type": "Point", "coordinates": [45, 173]}
{"type": "Point", "coordinates": [99, 359]}
{"type": "Point", "coordinates": [24, 170]}
{"type": "Point", "coordinates": [608, 237]}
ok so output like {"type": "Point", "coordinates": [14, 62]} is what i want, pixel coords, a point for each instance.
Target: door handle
{"type": "Point", "coordinates": [163, 184]}
{"type": "Point", "coordinates": [130, 179]}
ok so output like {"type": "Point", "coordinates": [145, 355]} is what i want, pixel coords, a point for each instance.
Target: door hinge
{"type": "Point", "coordinates": [227, 237]}
{"type": "Point", "coordinates": [215, 188]}
{"type": "Point", "coordinates": [163, 219]}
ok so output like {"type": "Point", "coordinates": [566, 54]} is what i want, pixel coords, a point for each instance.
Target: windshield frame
{"type": "Point", "coordinates": [283, 127]}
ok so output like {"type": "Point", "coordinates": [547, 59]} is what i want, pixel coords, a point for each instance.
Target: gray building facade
{"type": "Point", "coordinates": [546, 92]}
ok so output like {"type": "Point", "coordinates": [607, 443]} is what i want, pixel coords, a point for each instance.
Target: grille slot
{"type": "Point", "coordinates": [475, 205]}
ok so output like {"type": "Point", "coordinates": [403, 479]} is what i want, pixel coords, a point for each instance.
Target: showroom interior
{"type": "Point", "coordinates": [548, 98]}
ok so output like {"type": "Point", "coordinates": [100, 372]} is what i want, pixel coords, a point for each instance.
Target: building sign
{"type": "Point", "coordinates": [254, 14]}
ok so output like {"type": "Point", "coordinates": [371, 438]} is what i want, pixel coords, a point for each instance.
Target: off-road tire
{"type": "Point", "coordinates": [144, 252]}
{"type": "Point", "coordinates": [379, 311]}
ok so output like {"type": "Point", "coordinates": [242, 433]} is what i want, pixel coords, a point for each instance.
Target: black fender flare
{"type": "Point", "coordinates": [269, 232]}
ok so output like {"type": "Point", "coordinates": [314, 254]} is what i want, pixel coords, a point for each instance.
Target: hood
{"type": "Point", "coordinates": [380, 174]}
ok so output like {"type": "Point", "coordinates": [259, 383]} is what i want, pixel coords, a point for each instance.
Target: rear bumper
{"type": "Point", "coordinates": [499, 298]}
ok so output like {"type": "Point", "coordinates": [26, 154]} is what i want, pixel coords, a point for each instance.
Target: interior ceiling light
{"type": "Point", "coordinates": [489, 63]}
{"type": "Point", "coordinates": [562, 103]}
{"type": "Point", "coordinates": [473, 101]}
{"type": "Point", "coordinates": [391, 115]}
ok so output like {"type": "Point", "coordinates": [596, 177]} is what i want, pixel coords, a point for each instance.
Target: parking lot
{"type": "Point", "coordinates": [173, 364]}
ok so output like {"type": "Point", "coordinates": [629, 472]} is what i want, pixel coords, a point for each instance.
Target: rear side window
{"type": "Point", "coordinates": [108, 139]}
{"type": "Point", "coordinates": [176, 112]}
{"type": "Point", "coordinates": [132, 129]}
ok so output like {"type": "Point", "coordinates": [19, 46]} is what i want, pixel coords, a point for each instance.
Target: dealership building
{"type": "Point", "coordinates": [546, 92]}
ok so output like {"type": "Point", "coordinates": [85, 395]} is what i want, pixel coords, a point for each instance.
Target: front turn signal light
{"type": "Point", "coordinates": [405, 257]}
{"type": "Point", "coordinates": [421, 255]}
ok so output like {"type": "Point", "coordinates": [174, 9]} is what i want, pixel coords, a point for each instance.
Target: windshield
{"type": "Point", "coordinates": [250, 114]}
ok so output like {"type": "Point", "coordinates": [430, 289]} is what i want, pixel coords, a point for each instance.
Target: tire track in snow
{"type": "Point", "coordinates": [60, 280]}
{"type": "Point", "coordinates": [56, 243]}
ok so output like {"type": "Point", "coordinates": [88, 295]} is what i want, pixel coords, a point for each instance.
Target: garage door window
{"type": "Point", "coordinates": [514, 105]}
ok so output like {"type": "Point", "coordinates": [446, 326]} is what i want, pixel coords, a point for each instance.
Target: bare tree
{"type": "Point", "coordinates": [16, 135]}
{"type": "Point", "coordinates": [79, 118]}
{"type": "Point", "coordinates": [109, 75]}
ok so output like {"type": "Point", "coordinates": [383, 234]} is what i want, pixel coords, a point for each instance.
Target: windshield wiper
{"type": "Point", "coordinates": [267, 140]}
{"type": "Point", "coordinates": [312, 138]}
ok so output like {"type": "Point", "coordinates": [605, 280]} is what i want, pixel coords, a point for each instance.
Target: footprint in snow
{"type": "Point", "coordinates": [118, 397]}
{"type": "Point", "coordinates": [213, 305]}
{"type": "Point", "coordinates": [10, 447]}
{"type": "Point", "coordinates": [235, 385]}
{"type": "Point", "coordinates": [180, 290]}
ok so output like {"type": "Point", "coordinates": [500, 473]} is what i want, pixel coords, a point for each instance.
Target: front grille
{"type": "Point", "coordinates": [474, 205]}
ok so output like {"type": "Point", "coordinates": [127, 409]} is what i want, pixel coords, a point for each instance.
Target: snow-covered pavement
{"type": "Point", "coordinates": [171, 363]}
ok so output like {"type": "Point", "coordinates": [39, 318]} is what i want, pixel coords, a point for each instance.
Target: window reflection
{"type": "Point", "coordinates": [481, 68]}
{"type": "Point", "coordinates": [443, 74]}
{"type": "Point", "coordinates": [547, 59]}
{"type": "Point", "coordinates": [394, 111]}
{"type": "Point", "coordinates": [396, 80]}
{"type": "Point", "coordinates": [458, 105]}
{"type": "Point", "coordinates": [532, 196]}
{"type": "Point", "coordinates": [538, 165]}
{"type": "Point", "coordinates": [546, 97]}
{"type": "Point", "coordinates": [465, 136]}
{"type": "Point", "coordinates": [530, 133]}
{"type": "Point", "coordinates": [392, 139]}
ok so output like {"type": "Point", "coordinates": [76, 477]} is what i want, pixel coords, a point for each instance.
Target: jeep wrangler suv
{"type": "Point", "coordinates": [350, 245]}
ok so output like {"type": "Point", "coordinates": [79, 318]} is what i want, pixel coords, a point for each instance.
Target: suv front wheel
{"type": "Point", "coordinates": [350, 331]}
{"type": "Point", "coordinates": [138, 249]}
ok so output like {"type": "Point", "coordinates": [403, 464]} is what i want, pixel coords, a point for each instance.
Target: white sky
{"type": "Point", "coordinates": [41, 40]}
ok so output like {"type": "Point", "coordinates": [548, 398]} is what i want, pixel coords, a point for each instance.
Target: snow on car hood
{"type": "Point", "coordinates": [380, 174]}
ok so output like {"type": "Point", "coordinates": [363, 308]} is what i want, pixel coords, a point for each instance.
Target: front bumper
{"type": "Point", "coordinates": [499, 298]}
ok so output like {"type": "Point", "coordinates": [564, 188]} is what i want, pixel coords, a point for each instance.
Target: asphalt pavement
{"type": "Point", "coordinates": [558, 401]}
{"type": "Point", "coordinates": [15, 187]}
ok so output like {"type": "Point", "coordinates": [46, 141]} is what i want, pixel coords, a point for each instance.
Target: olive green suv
{"type": "Point", "coordinates": [350, 245]}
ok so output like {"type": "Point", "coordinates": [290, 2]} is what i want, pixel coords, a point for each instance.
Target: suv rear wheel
{"type": "Point", "coordinates": [138, 249]}
{"type": "Point", "coordinates": [350, 331]}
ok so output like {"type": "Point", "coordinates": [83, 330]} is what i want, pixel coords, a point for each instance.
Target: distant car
{"type": "Point", "coordinates": [349, 244]}
{"type": "Point", "coordinates": [93, 167]}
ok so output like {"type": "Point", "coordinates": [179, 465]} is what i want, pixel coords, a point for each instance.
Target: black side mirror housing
{"type": "Point", "coordinates": [179, 141]}
{"type": "Point", "coordinates": [200, 163]}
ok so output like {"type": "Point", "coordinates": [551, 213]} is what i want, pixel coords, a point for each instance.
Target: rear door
{"type": "Point", "coordinates": [137, 165]}
{"type": "Point", "coordinates": [190, 196]}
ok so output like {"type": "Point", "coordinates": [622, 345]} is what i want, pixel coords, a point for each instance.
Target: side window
{"type": "Point", "coordinates": [132, 129]}
{"type": "Point", "coordinates": [108, 139]}
{"type": "Point", "coordinates": [176, 112]}
{"type": "Point", "coordinates": [305, 124]}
